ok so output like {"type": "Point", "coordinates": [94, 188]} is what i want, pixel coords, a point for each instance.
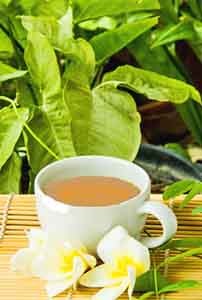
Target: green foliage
{"type": "Point", "coordinates": [7, 72]}
{"type": "Point", "coordinates": [181, 285]}
{"type": "Point", "coordinates": [191, 187]}
{"type": "Point", "coordinates": [178, 188]}
{"type": "Point", "coordinates": [183, 243]}
{"type": "Point", "coordinates": [146, 282]}
{"type": "Point", "coordinates": [60, 105]}
{"type": "Point", "coordinates": [152, 85]}
{"type": "Point", "coordinates": [10, 175]}
{"type": "Point", "coordinates": [10, 131]}
{"type": "Point", "coordinates": [96, 8]}
{"type": "Point", "coordinates": [6, 47]}
{"type": "Point", "coordinates": [110, 42]}
{"type": "Point", "coordinates": [181, 256]}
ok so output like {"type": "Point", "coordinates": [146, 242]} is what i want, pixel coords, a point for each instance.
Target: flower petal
{"type": "Point", "coordinates": [79, 268]}
{"type": "Point", "coordinates": [139, 252]}
{"type": "Point", "coordinates": [47, 266]}
{"type": "Point", "coordinates": [132, 280]}
{"type": "Point", "coordinates": [36, 238]}
{"type": "Point", "coordinates": [99, 277]}
{"type": "Point", "coordinates": [119, 242]}
{"type": "Point", "coordinates": [112, 242]}
{"type": "Point", "coordinates": [89, 259]}
{"type": "Point", "coordinates": [54, 288]}
{"type": "Point", "coordinates": [111, 293]}
{"type": "Point", "coordinates": [22, 261]}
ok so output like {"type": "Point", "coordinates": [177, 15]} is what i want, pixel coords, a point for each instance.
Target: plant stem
{"type": "Point", "coordinates": [155, 276]}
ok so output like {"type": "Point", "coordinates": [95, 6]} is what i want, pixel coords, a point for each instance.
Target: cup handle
{"type": "Point", "coordinates": [168, 221]}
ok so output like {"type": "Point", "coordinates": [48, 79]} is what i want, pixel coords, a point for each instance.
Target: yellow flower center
{"type": "Point", "coordinates": [121, 264]}
{"type": "Point", "coordinates": [67, 260]}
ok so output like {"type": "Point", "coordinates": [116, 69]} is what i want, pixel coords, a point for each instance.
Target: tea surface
{"type": "Point", "coordinates": [91, 190]}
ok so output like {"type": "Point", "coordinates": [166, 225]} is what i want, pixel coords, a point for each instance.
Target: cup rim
{"type": "Point", "coordinates": [51, 200]}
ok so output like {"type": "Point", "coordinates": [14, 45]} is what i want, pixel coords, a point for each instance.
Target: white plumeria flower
{"type": "Point", "coordinates": [60, 264]}
{"type": "Point", "coordinates": [124, 260]}
{"type": "Point", "coordinates": [23, 260]}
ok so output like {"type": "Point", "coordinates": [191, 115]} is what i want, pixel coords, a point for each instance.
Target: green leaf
{"type": "Point", "coordinates": [7, 72]}
{"type": "Point", "coordinates": [80, 66]}
{"type": "Point", "coordinates": [180, 285]}
{"type": "Point", "coordinates": [181, 256]}
{"type": "Point", "coordinates": [58, 32]}
{"type": "Point", "coordinates": [167, 12]}
{"type": "Point", "coordinates": [173, 32]}
{"type": "Point", "coordinates": [145, 283]}
{"type": "Point", "coordinates": [6, 46]}
{"type": "Point", "coordinates": [10, 131]}
{"type": "Point", "coordinates": [196, 44]}
{"type": "Point", "coordinates": [10, 175]}
{"type": "Point", "coordinates": [178, 188]}
{"type": "Point", "coordinates": [115, 111]}
{"type": "Point", "coordinates": [183, 243]}
{"type": "Point", "coordinates": [5, 2]}
{"type": "Point", "coordinates": [56, 8]}
{"type": "Point", "coordinates": [195, 190]}
{"type": "Point", "coordinates": [42, 65]}
{"type": "Point", "coordinates": [195, 8]}
{"type": "Point", "coordinates": [145, 296]}
{"type": "Point", "coordinates": [52, 120]}
{"type": "Point", "coordinates": [107, 23]}
{"type": "Point", "coordinates": [79, 99]}
{"type": "Point", "coordinates": [197, 210]}
{"type": "Point", "coordinates": [107, 108]}
{"type": "Point", "coordinates": [96, 8]}
{"type": "Point", "coordinates": [18, 31]}
{"type": "Point", "coordinates": [153, 85]}
{"type": "Point", "coordinates": [25, 97]}
{"type": "Point", "coordinates": [110, 42]}
{"type": "Point", "coordinates": [159, 60]}
{"type": "Point", "coordinates": [156, 60]}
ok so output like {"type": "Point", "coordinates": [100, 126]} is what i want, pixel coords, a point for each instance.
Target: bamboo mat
{"type": "Point", "coordinates": [22, 216]}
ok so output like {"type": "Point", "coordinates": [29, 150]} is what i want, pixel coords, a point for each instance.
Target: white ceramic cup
{"type": "Point", "coordinates": [88, 224]}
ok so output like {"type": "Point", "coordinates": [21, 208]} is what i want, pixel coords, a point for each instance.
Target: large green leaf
{"type": "Point", "coordinates": [10, 175]}
{"type": "Point", "coordinates": [42, 65]}
{"type": "Point", "coordinates": [10, 130]}
{"type": "Point", "coordinates": [153, 85]}
{"type": "Point", "coordinates": [52, 121]}
{"type": "Point", "coordinates": [114, 125]}
{"type": "Point", "coordinates": [96, 8]}
{"type": "Point", "coordinates": [6, 47]}
{"type": "Point", "coordinates": [7, 72]}
{"type": "Point", "coordinates": [110, 42]}
{"type": "Point", "coordinates": [79, 100]}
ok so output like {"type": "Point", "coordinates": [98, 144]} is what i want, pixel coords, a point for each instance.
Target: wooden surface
{"type": "Point", "coordinates": [22, 216]}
